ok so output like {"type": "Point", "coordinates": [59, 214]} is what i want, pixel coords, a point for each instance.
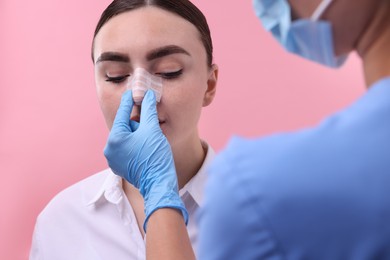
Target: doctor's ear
{"type": "Point", "coordinates": [211, 85]}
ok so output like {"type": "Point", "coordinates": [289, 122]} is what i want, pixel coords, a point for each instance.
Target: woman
{"type": "Point", "coordinates": [102, 216]}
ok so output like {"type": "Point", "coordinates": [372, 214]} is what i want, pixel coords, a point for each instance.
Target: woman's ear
{"type": "Point", "coordinates": [211, 86]}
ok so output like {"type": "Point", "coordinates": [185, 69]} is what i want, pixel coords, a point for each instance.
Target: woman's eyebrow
{"type": "Point", "coordinates": [113, 56]}
{"type": "Point", "coordinates": [165, 51]}
{"type": "Point", "coordinates": [152, 55]}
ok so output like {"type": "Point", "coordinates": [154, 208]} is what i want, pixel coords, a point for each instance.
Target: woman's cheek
{"type": "Point", "coordinates": [109, 103]}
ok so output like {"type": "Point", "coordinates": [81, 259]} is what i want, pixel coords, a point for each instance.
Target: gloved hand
{"type": "Point", "coordinates": [141, 154]}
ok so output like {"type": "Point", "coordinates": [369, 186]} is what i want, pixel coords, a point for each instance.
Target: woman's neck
{"type": "Point", "coordinates": [374, 46]}
{"type": "Point", "coordinates": [189, 157]}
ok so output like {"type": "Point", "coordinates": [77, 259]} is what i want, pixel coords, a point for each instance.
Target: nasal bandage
{"type": "Point", "coordinates": [141, 81]}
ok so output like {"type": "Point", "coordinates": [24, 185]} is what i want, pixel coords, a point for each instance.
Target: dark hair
{"type": "Point", "coordinates": [183, 8]}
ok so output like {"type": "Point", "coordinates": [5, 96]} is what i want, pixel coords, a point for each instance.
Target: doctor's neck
{"type": "Point", "coordinates": [373, 46]}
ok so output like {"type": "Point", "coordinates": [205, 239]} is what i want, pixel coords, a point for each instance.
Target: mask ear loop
{"type": "Point", "coordinates": [320, 10]}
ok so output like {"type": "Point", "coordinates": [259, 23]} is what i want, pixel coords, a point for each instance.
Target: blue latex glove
{"type": "Point", "coordinates": [141, 154]}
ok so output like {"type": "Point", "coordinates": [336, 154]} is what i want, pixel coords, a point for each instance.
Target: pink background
{"type": "Point", "coordinates": [52, 132]}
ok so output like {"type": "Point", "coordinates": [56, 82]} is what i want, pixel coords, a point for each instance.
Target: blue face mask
{"type": "Point", "coordinates": [309, 38]}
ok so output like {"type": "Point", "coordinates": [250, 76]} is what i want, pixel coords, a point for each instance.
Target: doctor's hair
{"type": "Point", "coordinates": [183, 8]}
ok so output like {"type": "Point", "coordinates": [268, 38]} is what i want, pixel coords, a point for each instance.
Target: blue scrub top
{"type": "Point", "coordinates": [321, 193]}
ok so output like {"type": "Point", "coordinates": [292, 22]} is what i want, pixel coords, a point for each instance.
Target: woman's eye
{"type": "Point", "coordinates": [170, 75]}
{"type": "Point", "coordinates": [116, 80]}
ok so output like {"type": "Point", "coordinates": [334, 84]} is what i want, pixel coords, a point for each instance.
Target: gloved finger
{"type": "Point", "coordinates": [126, 106]}
{"type": "Point", "coordinates": [149, 109]}
{"type": "Point", "coordinates": [134, 125]}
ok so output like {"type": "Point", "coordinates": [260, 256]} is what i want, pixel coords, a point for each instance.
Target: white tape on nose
{"type": "Point", "coordinates": [141, 81]}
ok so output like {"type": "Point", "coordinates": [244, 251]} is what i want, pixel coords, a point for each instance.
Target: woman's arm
{"type": "Point", "coordinates": [167, 236]}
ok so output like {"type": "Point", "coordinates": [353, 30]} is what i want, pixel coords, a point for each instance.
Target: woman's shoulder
{"type": "Point", "coordinates": [77, 195]}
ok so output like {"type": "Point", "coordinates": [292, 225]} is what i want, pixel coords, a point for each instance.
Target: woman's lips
{"type": "Point", "coordinates": [135, 118]}
{"type": "Point", "coordinates": [135, 113]}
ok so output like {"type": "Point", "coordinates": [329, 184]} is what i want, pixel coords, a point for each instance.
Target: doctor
{"type": "Point", "coordinates": [321, 193]}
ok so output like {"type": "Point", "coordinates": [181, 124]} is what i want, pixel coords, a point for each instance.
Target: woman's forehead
{"type": "Point", "coordinates": [151, 22]}
{"type": "Point", "coordinates": [147, 28]}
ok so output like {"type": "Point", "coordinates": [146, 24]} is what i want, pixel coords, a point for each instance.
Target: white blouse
{"type": "Point", "coordinates": [93, 219]}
